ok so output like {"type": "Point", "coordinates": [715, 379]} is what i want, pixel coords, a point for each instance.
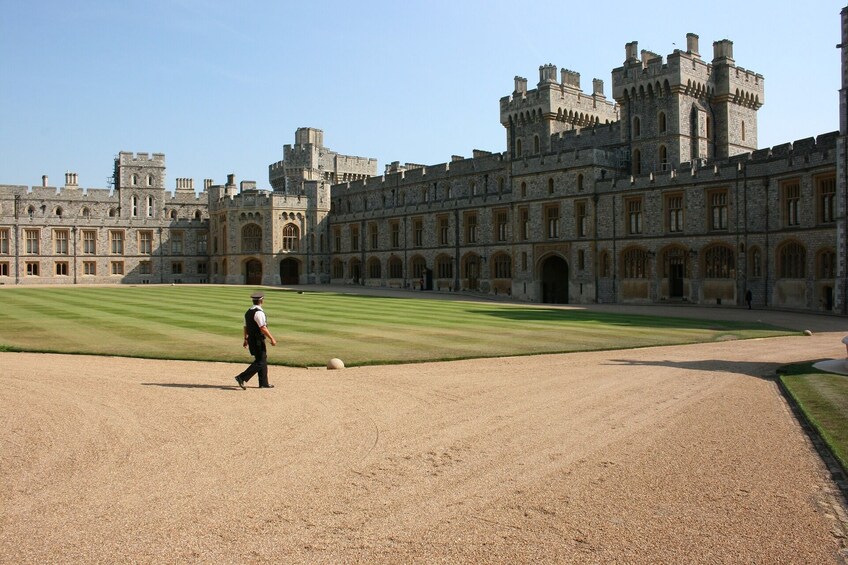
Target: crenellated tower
{"type": "Point", "coordinates": [532, 117]}
{"type": "Point", "coordinates": [686, 109]}
{"type": "Point", "coordinates": [140, 183]}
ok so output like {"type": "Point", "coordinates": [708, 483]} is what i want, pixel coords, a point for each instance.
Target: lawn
{"type": "Point", "coordinates": [205, 323]}
{"type": "Point", "coordinates": [823, 397]}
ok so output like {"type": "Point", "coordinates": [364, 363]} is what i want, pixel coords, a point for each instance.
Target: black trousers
{"type": "Point", "coordinates": [259, 365]}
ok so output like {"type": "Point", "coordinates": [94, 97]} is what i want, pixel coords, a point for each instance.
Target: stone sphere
{"type": "Point", "coordinates": [808, 332]}
{"type": "Point", "coordinates": [335, 364]}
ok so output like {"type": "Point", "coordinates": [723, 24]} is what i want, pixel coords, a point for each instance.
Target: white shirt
{"type": "Point", "coordinates": [259, 316]}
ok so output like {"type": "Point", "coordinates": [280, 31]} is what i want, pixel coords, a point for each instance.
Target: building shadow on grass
{"type": "Point", "coordinates": [760, 370]}
{"type": "Point", "coordinates": [183, 385]}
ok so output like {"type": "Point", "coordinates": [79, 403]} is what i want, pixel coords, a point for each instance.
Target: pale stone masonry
{"type": "Point", "coordinates": [656, 195]}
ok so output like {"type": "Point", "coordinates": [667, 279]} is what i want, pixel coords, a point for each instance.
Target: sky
{"type": "Point", "coordinates": [220, 87]}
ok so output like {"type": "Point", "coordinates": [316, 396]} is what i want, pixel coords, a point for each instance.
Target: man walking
{"type": "Point", "coordinates": [255, 332]}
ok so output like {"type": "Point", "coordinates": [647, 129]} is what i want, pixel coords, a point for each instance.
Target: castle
{"type": "Point", "coordinates": [658, 195]}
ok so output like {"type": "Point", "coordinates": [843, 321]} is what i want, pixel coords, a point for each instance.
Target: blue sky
{"type": "Point", "coordinates": [220, 87]}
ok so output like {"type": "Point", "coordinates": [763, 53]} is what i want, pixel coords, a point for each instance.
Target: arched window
{"type": "Point", "coordinates": [606, 267]}
{"type": "Point", "coordinates": [134, 180]}
{"type": "Point", "coordinates": [338, 269]}
{"type": "Point", "coordinates": [149, 206]}
{"type": "Point", "coordinates": [674, 261]}
{"type": "Point", "coordinates": [502, 265]}
{"type": "Point", "coordinates": [550, 186]}
{"type": "Point", "coordinates": [31, 211]}
{"type": "Point", "coordinates": [290, 237]}
{"type": "Point", "coordinates": [374, 268]}
{"type": "Point", "coordinates": [197, 215]}
{"type": "Point", "coordinates": [395, 267]}
{"type": "Point", "coordinates": [134, 206]}
{"type": "Point", "coordinates": [112, 212]}
{"type": "Point", "coordinates": [579, 182]}
{"type": "Point", "coordinates": [59, 211]}
{"type": "Point", "coordinates": [173, 214]}
{"type": "Point", "coordinates": [536, 145]}
{"type": "Point", "coordinates": [523, 189]}
{"type": "Point", "coordinates": [149, 180]}
{"type": "Point", "coordinates": [500, 186]}
{"type": "Point", "coordinates": [661, 122]}
{"type": "Point", "coordinates": [86, 213]}
{"type": "Point", "coordinates": [743, 130]}
{"type": "Point", "coordinates": [792, 258]}
{"type": "Point", "coordinates": [518, 148]}
{"type": "Point", "coordinates": [637, 126]}
{"type": "Point", "coordinates": [719, 262]}
{"type": "Point", "coordinates": [663, 158]}
{"type": "Point", "coordinates": [635, 263]}
{"type": "Point", "coordinates": [419, 267]}
{"type": "Point", "coordinates": [251, 238]}
{"type": "Point", "coordinates": [637, 162]}
{"type": "Point", "coordinates": [444, 267]}
{"type": "Point", "coordinates": [756, 262]}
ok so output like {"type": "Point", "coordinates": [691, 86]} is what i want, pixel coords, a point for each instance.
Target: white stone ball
{"type": "Point", "coordinates": [335, 364]}
{"type": "Point", "coordinates": [808, 332]}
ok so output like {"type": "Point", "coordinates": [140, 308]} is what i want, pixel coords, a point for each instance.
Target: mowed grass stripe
{"type": "Point", "coordinates": [204, 322]}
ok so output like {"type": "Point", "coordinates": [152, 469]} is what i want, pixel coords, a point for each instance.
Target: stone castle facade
{"type": "Point", "coordinates": [658, 195]}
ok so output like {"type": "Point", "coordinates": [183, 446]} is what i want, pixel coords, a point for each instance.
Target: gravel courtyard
{"type": "Point", "coordinates": [683, 454]}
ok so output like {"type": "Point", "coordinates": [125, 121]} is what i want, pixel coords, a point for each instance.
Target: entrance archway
{"type": "Point", "coordinates": [289, 271]}
{"type": "Point", "coordinates": [253, 272]}
{"type": "Point", "coordinates": [555, 280]}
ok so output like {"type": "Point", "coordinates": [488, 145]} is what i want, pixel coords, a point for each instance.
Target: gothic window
{"type": "Point", "coordinates": [581, 218]}
{"type": "Point", "coordinates": [663, 158]}
{"type": "Point", "coordinates": [374, 268]}
{"type": "Point", "coordinates": [635, 263]}
{"type": "Point", "coordinates": [291, 236]}
{"type": "Point", "coordinates": [637, 127]}
{"type": "Point", "coordinates": [523, 189]}
{"type": "Point", "coordinates": [60, 242]}
{"type": "Point", "coordinates": [792, 260]}
{"type": "Point", "coordinates": [552, 221]}
{"type": "Point", "coordinates": [419, 267]}
{"type": "Point", "coordinates": [501, 225]}
{"type": "Point", "coordinates": [518, 148]}
{"type": "Point", "coordinates": [4, 241]}
{"type": "Point", "coordinates": [637, 162]}
{"type": "Point", "coordinates": [606, 267]}
{"type": "Point", "coordinates": [394, 230]}
{"type": "Point", "coordinates": [395, 268]}
{"type": "Point", "coordinates": [579, 183]}
{"type": "Point", "coordinates": [59, 211]}
{"type": "Point", "coordinates": [756, 268]}
{"type": "Point", "coordinates": [134, 206]}
{"type": "Point", "coordinates": [536, 146]}
{"type": "Point", "coordinates": [550, 186]}
{"type": "Point", "coordinates": [149, 180]}
{"type": "Point", "coordinates": [375, 236]}
{"type": "Point", "coordinates": [149, 206]}
{"type": "Point", "coordinates": [471, 228]}
{"type": "Point", "coordinates": [338, 269]}
{"type": "Point", "coordinates": [524, 214]}
{"type": "Point", "coordinates": [134, 180]}
{"type": "Point", "coordinates": [444, 267]}
{"type": "Point", "coordinates": [502, 266]}
{"type": "Point", "coordinates": [418, 232]}
{"type": "Point", "coordinates": [251, 238]}
{"type": "Point", "coordinates": [719, 262]}
{"type": "Point", "coordinates": [86, 213]}
{"type": "Point", "coordinates": [354, 238]}
{"type": "Point", "coordinates": [661, 122]}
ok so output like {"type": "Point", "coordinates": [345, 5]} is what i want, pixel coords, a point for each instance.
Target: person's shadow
{"type": "Point", "coordinates": [178, 385]}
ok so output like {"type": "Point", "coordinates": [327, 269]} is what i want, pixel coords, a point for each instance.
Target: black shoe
{"type": "Point", "coordinates": [240, 382]}
{"type": "Point", "coordinates": [266, 386]}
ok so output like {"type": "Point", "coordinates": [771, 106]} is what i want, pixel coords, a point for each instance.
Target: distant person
{"type": "Point", "coordinates": [255, 332]}
{"type": "Point", "coordinates": [748, 298]}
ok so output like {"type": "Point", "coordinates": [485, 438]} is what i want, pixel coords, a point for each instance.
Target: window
{"type": "Point", "coordinates": [374, 268]}
{"type": "Point", "coordinates": [826, 190]}
{"type": "Point", "coordinates": [524, 215]}
{"type": "Point", "coordinates": [145, 242]}
{"type": "Point", "coordinates": [4, 241]}
{"type": "Point", "coordinates": [202, 242]}
{"type": "Point", "coordinates": [606, 268]}
{"type": "Point", "coordinates": [523, 260]}
{"type": "Point", "coordinates": [394, 231]}
{"type": "Point", "coordinates": [550, 186]}
{"type": "Point", "coordinates": [337, 240]}
{"type": "Point", "coordinates": [30, 211]}
{"type": "Point", "coordinates": [202, 268]}
{"type": "Point", "coordinates": [338, 269]}
{"type": "Point", "coordinates": [134, 211]}
{"type": "Point", "coordinates": [290, 237]}
{"type": "Point", "coordinates": [444, 234]}
{"type": "Point", "coordinates": [719, 262]}
{"type": "Point", "coordinates": [117, 267]}
{"type": "Point", "coordinates": [176, 267]}
{"type": "Point", "coordinates": [581, 219]}
{"type": "Point", "coordinates": [502, 225]}
{"type": "Point", "coordinates": [4, 269]}
{"type": "Point", "coordinates": [826, 268]}
{"type": "Point", "coordinates": [61, 268]}
{"type": "Point", "coordinates": [354, 238]}
{"type": "Point", "coordinates": [59, 211]}
{"type": "Point", "coordinates": [177, 242]}
{"type": "Point", "coordinates": [661, 122]}
{"type": "Point", "coordinates": [635, 263]}
{"type": "Point", "coordinates": [89, 268]}
{"type": "Point", "coordinates": [471, 228]}
{"type": "Point", "coordinates": [791, 203]}
{"type": "Point", "coordinates": [518, 147]}
{"type": "Point", "coordinates": [552, 221]}
{"type": "Point", "coordinates": [637, 162]}
{"type": "Point", "coordinates": [634, 215]}
{"type": "Point", "coordinates": [718, 210]}
{"type": "Point", "coordinates": [417, 232]}
{"type": "Point", "coordinates": [86, 213]}
{"type": "Point", "coordinates": [637, 127]}
{"type": "Point", "coordinates": [32, 269]}
{"type": "Point", "coordinates": [536, 146]}
{"type": "Point", "coordinates": [503, 266]}
{"type": "Point", "coordinates": [395, 268]}
{"type": "Point", "coordinates": [60, 242]}
{"type": "Point", "coordinates": [580, 183]}
{"type": "Point", "coordinates": [444, 267]}
{"type": "Point", "coordinates": [375, 236]}
{"type": "Point", "coordinates": [32, 241]}
{"type": "Point", "coordinates": [792, 260]}
{"type": "Point", "coordinates": [149, 180]}
{"type": "Point", "coordinates": [581, 259]}
{"type": "Point", "coordinates": [134, 180]}
{"type": "Point", "coordinates": [756, 263]}
{"type": "Point", "coordinates": [144, 268]}
{"type": "Point", "coordinates": [89, 242]}
{"type": "Point", "coordinates": [251, 239]}
{"type": "Point", "coordinates": [663, 158]}
{"type": "Point", "coordinates": [523, 189]}
{"type": "Point", "coordinates": [674, 212]}
{"type": "Point", "coordinates": [117, 242]}
{"type": "Point", "coordinates": [149, 206]}
{"type": "Point", "coordinates": [419, 267]}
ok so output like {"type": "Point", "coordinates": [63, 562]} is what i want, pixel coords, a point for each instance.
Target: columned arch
{"type": "Point", "coordinates": [289, 271]}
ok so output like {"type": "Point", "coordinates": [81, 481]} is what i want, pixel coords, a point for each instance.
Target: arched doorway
{"type": "Point", "coordinates": [289, 271]}
{"type": "Point", "coordinates": [471, 268]}
{"type": "Point", "coordinates": [554, 280]}
{"type": "Point", "coordinates": [253, 272]}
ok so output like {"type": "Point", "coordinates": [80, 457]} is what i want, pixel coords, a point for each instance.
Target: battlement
{"type": "Point", "coordinates": [601, 135]}
{"type": "Point", "coordinates": [127, 158]}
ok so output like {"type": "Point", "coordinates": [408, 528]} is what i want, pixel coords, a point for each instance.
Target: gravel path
{"type": "Point", "coordinates": [660, 455]}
